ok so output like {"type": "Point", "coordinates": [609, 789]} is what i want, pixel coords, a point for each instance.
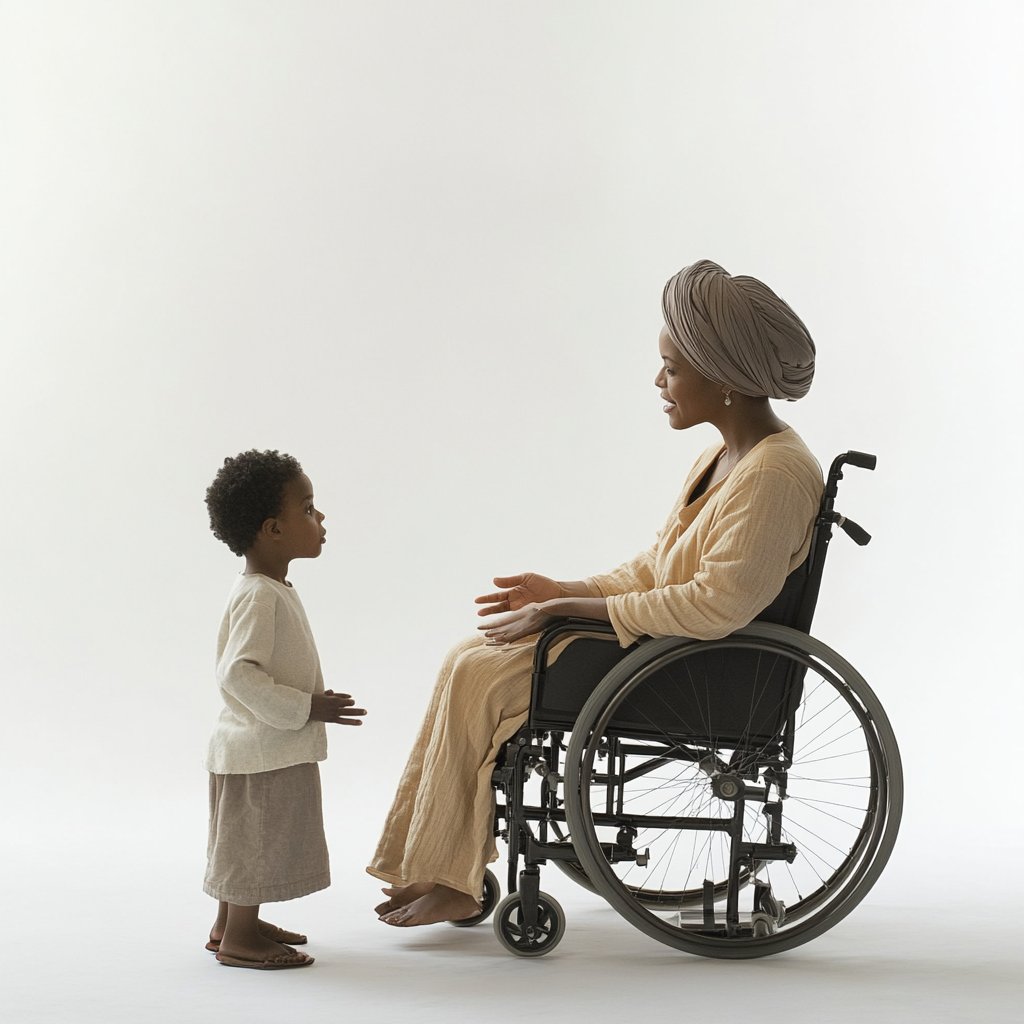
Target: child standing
{"type": "Point", "coordinates": [266, 838]}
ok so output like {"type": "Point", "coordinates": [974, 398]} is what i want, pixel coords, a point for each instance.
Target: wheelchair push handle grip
{"type": "Point", "coordinates": [861, 460]}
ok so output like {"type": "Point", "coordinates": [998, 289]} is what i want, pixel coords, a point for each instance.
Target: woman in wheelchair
{"type": "Point", "coordinates": [742, 523]}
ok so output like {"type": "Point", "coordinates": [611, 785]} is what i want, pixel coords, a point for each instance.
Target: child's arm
{"type": "Point", "coordinates": [242, 669]}
{"type": "Point", "coordinates": [330, 706]}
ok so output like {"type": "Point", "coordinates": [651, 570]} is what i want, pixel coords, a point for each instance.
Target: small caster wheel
{"type": "Point", "coordinates": [762, 926]}
{"type": "Point", "coordinates": [526, 940]}
{"type": "Point", "coordinates": [488, 901]}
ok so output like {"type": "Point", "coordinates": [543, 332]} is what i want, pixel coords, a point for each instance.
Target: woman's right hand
{"type": "Point", "coordinates": [519, 591]}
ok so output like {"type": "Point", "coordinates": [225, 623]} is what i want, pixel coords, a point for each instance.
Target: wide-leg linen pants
{"type": "Point", "coordinates": [440, 827]}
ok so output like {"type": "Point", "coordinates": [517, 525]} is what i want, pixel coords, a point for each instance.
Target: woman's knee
{"type": "Point", "coordinates": [494, 676]}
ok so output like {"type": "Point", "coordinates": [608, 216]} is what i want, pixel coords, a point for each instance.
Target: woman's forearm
{"type": "Point", "coordinates": [577, 608]}
{"type": "Point", "coordinates": [575, 589]}
{"type": "Point", "coordinates": [508, 626]}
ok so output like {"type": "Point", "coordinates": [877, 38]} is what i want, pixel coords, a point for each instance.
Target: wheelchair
{"type": "Point", "coordinates": [731, 798]}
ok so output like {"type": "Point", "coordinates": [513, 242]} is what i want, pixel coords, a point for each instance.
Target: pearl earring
{"type": "Point", "coordinates": [728, 400]}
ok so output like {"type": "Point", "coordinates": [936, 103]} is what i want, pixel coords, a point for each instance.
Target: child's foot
{"type": "Point", "coordinates": [401, 896]}
{"type": "Point", "coordinates": [260, 952]}
{"type": "Point", "coordinates": [267, 931]}
{"type": "Point", "coordinates": [440, 904]}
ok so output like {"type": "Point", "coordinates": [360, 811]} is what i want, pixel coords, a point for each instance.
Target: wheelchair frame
{"type": "Point", "coordinates": [695, 736]}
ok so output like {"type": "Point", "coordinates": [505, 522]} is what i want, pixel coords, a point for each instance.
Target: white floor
{"type": "Point", "coordinates": [106, 946]}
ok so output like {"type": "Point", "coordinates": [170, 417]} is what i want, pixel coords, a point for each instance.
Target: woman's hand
{"type": "Point", "coordinates": [531, 602]}
{"type": "Point", "coordinates": [527, 588]}
{"type": "Point", "coordinates": [330, 707]}
{"type": "Point", "coordinates": [514, 625]}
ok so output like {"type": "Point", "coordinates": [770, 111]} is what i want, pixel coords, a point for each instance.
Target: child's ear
{"type": "Point", "coordinates": [270, 530]}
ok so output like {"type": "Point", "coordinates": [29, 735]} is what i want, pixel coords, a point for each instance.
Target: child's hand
{"type": "Point", "coordinates": [330, 706]}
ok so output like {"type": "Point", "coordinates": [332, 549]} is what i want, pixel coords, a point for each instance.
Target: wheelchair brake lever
{"type": "Point", "coordinates": [855, 532]}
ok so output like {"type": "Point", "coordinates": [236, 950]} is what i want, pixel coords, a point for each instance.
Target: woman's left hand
{"type": "Point", "coordinates": [514, 625]}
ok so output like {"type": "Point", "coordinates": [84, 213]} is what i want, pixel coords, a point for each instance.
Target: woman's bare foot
{"type": "Point", "coordinates": [440, 904]}
{"type": "Point", "coordinates": [401, 896]}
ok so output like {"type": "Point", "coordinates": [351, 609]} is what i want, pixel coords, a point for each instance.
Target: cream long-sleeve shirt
{"type": "Point", "coordinates": [722, 558]}
{"type": "Point", "coordinates": [267, 669]}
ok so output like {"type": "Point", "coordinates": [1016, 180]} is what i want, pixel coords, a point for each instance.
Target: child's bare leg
{"type": "Point", "coordinates": [440, 904]}
{"type": "Point", "coordinates": [242, 937]}
{"type": "Point", "coordinates": [401, 896]}
{"type": "Point", "coordinates": [217, 931]}
{"type": "Point", "coordinates": [267, 930]}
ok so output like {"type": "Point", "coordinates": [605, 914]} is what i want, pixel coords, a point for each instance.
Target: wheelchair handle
{"type": "Point", "coordinates": [861, 460]}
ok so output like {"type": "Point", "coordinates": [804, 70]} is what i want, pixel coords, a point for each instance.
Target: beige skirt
{"type": "Point", "coordinates": [266, 840]}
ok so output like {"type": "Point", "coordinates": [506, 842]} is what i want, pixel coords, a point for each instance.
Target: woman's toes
{"type": "Point", "coordinates": [401, 896]}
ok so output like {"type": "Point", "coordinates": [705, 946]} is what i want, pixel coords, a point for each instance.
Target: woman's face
{"type": "Point", "coordinates": [690, 398]}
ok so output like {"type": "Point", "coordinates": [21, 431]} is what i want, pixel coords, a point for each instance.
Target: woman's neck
{"type": "Point", "coordinates": [750, 423]}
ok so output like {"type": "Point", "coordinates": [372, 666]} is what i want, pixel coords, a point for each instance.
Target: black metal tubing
{"type": "Point", "coordinates": [823, 535]}
{"type": "Point", "coordinates": [529, 886]}
{"type": "Point", "coordinates": [540, 852]}
{"type": "Point", "coordinates": [644, 769]}
{"type": "Point", "coordinates": [528, 812]}
{"type": "Point", "coordinates": [732, 893]}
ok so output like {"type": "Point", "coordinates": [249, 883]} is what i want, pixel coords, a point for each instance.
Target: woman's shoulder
{"type": "Point", "coordinates": [786, 454]}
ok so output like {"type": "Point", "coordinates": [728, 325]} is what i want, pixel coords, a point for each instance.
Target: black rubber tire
{"type": "Point", "coordinates": [548, 933]}
{"type": "Point", "coordinates": [488, 901]}
{"type": "Point", "coordinates": [850, 880]}
{"type": "Point", "coordinates": [572, 869]}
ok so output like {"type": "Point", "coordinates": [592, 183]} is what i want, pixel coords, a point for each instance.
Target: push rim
{"type": "Point", "coordinates": [842, 811]}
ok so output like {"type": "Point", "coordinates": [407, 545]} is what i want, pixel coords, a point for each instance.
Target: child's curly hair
{"type": "Point", "coordinates": [248, 490]}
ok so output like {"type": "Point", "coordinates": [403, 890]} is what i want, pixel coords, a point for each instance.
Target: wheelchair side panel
{"type": "Point", "coordinates": [725, 697]}
{"type": "Point", "coordinates": [561, 691]}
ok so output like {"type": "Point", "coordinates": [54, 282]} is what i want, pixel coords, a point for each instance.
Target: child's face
{"type": "Point", "coordinates": [299, 521]}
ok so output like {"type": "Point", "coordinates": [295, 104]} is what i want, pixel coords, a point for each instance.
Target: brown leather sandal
{"type": "Point", "coordinates": [280, 962]}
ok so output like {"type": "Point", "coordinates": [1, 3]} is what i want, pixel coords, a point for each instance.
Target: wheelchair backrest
{"type": "Point", "coordinates": [722, 693]}
{"type": "Point", "coordinates": [794, 606]}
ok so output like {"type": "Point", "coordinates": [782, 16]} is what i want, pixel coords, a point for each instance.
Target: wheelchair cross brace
{"type": "Point", "coordinates": [529, 753]}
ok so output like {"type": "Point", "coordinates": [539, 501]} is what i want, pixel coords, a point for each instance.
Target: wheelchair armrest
{"type": "Point", "coordinates": [559, 628]}
{"type": "Point", "coordinates": [585, 663]}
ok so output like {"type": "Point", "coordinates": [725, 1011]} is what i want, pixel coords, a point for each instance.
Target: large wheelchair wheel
{"type": "Point", "coordinates": [776, 796]}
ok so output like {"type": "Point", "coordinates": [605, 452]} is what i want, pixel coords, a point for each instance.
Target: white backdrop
{"type": "Point", "coordinates": [421, 247]}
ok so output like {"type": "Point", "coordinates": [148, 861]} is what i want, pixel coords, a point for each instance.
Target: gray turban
{"type": "Point", "coordinates": [738, 332]}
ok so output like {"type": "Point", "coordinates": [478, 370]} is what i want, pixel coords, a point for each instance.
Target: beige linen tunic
{"type": "Point", "coordinates": [717, 562]}
{"type": "Point", "coordinates": [267, 670]}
